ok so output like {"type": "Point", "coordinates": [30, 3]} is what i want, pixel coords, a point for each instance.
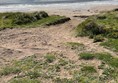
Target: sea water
{"type": "Point", "coordinates": [26, 5]}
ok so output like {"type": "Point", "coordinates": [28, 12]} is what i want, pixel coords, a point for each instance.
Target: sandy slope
{"type": "Point", "coordinates": [18, 43]}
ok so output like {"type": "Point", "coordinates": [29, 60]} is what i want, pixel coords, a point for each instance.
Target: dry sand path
{"type": "Point", "coordinates": [18, 43]}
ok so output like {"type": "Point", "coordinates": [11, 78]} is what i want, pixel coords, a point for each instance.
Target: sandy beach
{"type": "Point", "coordinates": [76, 12]}
{"type": "Point", "coordinates": [66, 9]}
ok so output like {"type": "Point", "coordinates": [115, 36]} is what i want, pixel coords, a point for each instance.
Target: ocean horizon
{"type": "Point", "coordinates": [26, 5]}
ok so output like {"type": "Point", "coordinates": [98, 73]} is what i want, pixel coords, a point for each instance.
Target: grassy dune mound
{"type": "Point", "coordinates": [100, 27]}
{"type": "Point", "coordinates": [20, 19]}
{"type": "Point", "coordinates": [105, 24]}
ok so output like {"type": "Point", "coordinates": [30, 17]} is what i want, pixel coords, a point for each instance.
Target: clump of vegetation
{"type": "Point", "coordinates": [24, 80]}
{"type": "Point", "coordinates": [33, 74]}
{"type": "Point", "coordinates": [86, 74]}
{"type": "Point", "coordinates": [59, 21]}
{"type": "Point", "coordinates": [63, 80]}
{"type": "Point", "coordinates": [104, 25]}
{"type": "Point", "coordinates": [63, 62]}
{"type": "Point", "coordinates": [23, 18]}
{"type": "Point", "coordinates": [111, 44]}
{"type": "Point", "coordinates": [9, 70]}
{"type": "Point", "coordinates": [90, 28]}
{"type": "Point", "coordinates": [105, 57]}
{"type": "Point", "coordinates": [98, 38]}
{"type": "Point", "coordinates": [86, 56]}
{"type": "Point", "coordinates": [20, 19]}
{"type": "Point", "coordinates": [101, 26]}
{"type": "Point", "coordinates": [102, 16]}
{"type": "Point", "coordinates": [108, 59]}
{"type": "Point", "coordinates": [50, 58]}
{"type": "Point", "coordinates": [88, 69]}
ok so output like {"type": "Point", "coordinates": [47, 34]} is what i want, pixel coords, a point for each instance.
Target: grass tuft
{"type": "Point", "coordinates": [24, 80]}
{"type": "Point", "coordinates": [50, 58]}
{"type": "Point", "coordinates": [86, 56]}
{"type": "Point", "coordinates": [111, 44]}
{"type": "Point", "coordinates": [88, 69]}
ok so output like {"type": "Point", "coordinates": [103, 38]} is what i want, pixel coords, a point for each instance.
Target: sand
{"type": "Point", "coordinates": [70, 12]}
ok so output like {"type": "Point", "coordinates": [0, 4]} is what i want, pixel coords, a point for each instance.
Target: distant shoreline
{"type": "Point", "coordinates": [57, 6]}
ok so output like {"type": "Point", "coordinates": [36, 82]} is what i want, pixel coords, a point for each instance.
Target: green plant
{"type": "Point", "coordinates": [98, 38]}
{"type": "Point", "coordinates": [108, 59]}
{"type": "Point", "coordinates": [33, 74]}
{"type": "Point", "coordinates": [50, 58]}
{"type": "Point", "coordinates": [59, 21]}
{"type": "Point", "coordinates": [88, 69]}
{"type": "Point", "coordinates": [86, 56]}
{"type": "Point", "coordinates": [102, 24]}
{"type": "Point", "coordinates": [21, 19]}
{"type": "Point", "coordinates": [111, 44]}
{"type": "Point", "coordinates": [24, 80]}
{"type": "Point", "coordinates": [9, 70]}
{"type": "Point", "coordinates": [90, 27]}
{"type": "Point", "coordinates": [63, 80]}
{"type": "Point", "coordinates": [42, 14]}
{"type": "Point", "coordinates": [101, 17]}
{"type": "Point", "coordinates": [63, 62]}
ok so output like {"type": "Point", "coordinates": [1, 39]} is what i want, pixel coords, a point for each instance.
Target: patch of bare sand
{"type": "Point", "coordinates": [24, 42]}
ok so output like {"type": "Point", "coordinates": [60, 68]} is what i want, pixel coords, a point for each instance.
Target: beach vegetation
{"type": "Point", "coordinates": [111, 44]}
{"type": "Point", "coordinates": [34, 19]}
{"type": "Point", "coordinates": [86, 56]}
{"type": "Point", "coordinates": [102, 28]}
{"type": "Point", "coordinates": [104, 25]}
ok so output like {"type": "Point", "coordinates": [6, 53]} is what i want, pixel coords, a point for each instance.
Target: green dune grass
{"type": "Point", "coordinates": [20, 19]}
{"type": "Point", "coordinates": [101, 27]}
